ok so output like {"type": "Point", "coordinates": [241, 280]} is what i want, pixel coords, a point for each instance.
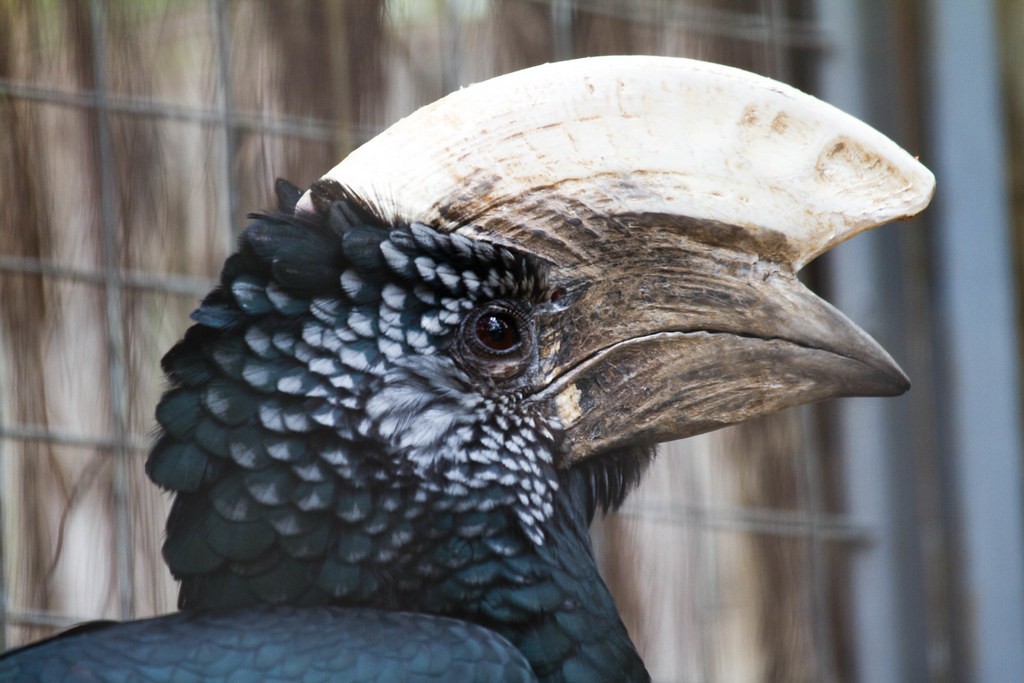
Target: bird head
{"type": "Point", "coordinates": [671, 204]}
{"type": "Point", "coordinates": [551, 271]}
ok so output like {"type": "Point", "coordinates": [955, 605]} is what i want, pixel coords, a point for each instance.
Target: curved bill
{"type": "Point", "coordinates": [683, 338]}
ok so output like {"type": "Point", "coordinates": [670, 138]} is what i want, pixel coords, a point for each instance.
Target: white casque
{"type": "Point", "coordinates": [633, 135]}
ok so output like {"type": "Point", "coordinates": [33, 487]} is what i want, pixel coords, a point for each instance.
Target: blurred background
{"type": "Point", "coordinates": [863, 540]}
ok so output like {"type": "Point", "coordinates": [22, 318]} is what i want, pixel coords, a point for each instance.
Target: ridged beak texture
{"type": "Point", "coordinates": [675, 200]}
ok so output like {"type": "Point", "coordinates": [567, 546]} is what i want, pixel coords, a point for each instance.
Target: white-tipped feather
{"type": "Point", "coordinates": [626, 135]}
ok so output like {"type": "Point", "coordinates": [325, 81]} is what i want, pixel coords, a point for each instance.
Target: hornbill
{"type": "Point", "coordinates": [394, 419]}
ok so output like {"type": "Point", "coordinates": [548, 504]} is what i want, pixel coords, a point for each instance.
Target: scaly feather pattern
{"type": "Point", "coordinates": [329, 444]}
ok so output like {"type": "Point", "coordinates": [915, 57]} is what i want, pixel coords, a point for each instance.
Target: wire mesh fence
{"type": "Point", "coordinates": [137, 136]}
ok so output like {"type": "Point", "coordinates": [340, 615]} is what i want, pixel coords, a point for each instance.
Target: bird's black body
{"type": "Point", "coordinates": [337, 434]}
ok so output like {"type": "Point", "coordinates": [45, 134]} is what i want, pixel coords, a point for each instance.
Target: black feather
{"type": "Point", "coordinates": [288, 196]}
{"type": "Point", "coordinates": [609, 478]}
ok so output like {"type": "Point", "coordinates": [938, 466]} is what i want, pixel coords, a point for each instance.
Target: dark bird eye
{"type": "Point", "coordinates": [498, 331]}
{"type": "Point", "coordinates": [496, 340]}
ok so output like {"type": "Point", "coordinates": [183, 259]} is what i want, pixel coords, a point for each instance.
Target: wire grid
{"type": "Point", "coordinates": [789, 40]}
